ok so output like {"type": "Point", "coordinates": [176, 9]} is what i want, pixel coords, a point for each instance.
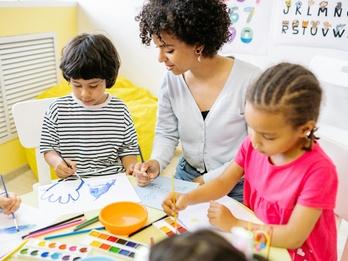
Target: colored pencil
{"type": "Point", "coordinates": [44, 231]}
{"type": "Point", "coordinates": [55, 224]}
{"type": "Point", "coordinates": [73, 233]}
{"type": "Point", "coordinates": [8, 255]}
{"type": "Point", "coordinates": [6, 193]}
{"type": "Point", "coordinates": [87, 223]}
{"type": "Point", "coordinates": [50, 230]}
{"type": "Point", "coordinates": [145, 227]}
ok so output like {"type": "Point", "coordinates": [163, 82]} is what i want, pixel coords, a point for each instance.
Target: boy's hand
{"type": "Point", "coordinates": [146, 172]}
{"type": "Point", "coordinates": [175, 202]}
{"type": "Point", "coordinates": [10, 205]}
{"type": "Point", "coordinates": [63, 171]}
{"type": "Point", "coordinates": [221, 217]}
{"type": "Point", "coordinates": [130, 169]}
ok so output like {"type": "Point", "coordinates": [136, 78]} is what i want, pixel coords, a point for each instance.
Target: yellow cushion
{"type": "Point", "coordinates": [141, 103]}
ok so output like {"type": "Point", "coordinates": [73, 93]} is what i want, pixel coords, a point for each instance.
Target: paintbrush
{"type": "Point", "coordinates": [67, 163]}
{"type": "Point", "coordinates": [174, 200]}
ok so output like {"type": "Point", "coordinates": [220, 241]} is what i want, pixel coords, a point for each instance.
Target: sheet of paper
{"type": "Point", "coordinates": [153, 194]}
{"type": "Point", "coordinates": [28, 219]}
{"type": "Point", "coordinates": [195, 217]}
{"type": "Point", "coordinates": [76, 196]}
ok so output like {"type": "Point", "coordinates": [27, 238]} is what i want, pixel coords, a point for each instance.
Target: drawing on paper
{"type": "Point", "coordinates": [60, 194]}
{"type": "Point", "coordinates": [100, 189]}
{"type": "Point", "coordinates": [13, 229]}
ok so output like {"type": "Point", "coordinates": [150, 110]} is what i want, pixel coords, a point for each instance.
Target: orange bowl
{"type": "Point", "coordinates": [123, 218]}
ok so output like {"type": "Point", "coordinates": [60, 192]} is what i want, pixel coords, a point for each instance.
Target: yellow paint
{"type": "Point", "coordinates": [27, 20]}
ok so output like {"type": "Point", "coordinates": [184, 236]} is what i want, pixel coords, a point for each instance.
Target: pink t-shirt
{"type": "Point", "coordinates": [273, 191]}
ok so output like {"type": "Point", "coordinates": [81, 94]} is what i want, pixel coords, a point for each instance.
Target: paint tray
{"type": "Point", "coordinates": [169, 228]}
{"type": "Point", "coordinates": [112, 245]}
{"type": "Point", "coordinates": [52, 250]}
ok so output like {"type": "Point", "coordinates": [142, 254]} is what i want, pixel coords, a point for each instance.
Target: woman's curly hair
{"type": "Point", "coordinates": [201, 22]}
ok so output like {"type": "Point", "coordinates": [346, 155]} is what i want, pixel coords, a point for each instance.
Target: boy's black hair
{"type": "Point", "coordinates": [201, 22]}
{"type": "Point", "coordinates": [89, 56]}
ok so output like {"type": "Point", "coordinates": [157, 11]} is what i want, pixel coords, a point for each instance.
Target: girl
{"type": "Point", "coordinates": [198, 89]}
{"type": "Point", "coordinates": [290, 183]}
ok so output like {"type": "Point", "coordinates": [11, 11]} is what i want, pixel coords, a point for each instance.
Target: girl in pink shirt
{"type": "Point", "coordinates": [290, 183]}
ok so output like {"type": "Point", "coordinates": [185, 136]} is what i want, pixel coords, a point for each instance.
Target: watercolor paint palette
{"type": "Point", "coordinates": [50, 250]}
{"type": "Point", "coordinates": [168, 227]}
{"type": "Point", "coordinates": [114, 245]}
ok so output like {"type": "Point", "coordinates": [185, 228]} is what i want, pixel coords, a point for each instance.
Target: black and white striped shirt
{"type": "Point", "coordinates": [95, 137]}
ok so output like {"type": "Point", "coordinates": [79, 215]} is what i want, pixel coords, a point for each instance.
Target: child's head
{"type": "Point", "coordinates": [201, 23]}
{"type": "Point", "coordinates": [200, 245]}
{"type": "Point", "coordinates": [282, 108]}
{"type": "Point", "coordinates": [90, 56]}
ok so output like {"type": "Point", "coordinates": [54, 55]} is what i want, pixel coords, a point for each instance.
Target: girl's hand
{"type": "Point", "coordinates": [10, 205]}
{"type": "Point", "coordinates": [221, 217]}
{"type": "Point", "coordinates": [62, 170]}
{"type": "Point", "coordinates": [175, 202]}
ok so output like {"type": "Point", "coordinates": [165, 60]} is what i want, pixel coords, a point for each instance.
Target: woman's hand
{"type": "Point", "coordinates": [146, 172]}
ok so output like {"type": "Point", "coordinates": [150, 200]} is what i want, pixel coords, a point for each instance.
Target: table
{"type": "Point", "coordinates": [145, 235]}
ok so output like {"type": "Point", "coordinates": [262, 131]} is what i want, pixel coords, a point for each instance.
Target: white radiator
{"type": "Point", "coordinates": [28, 65]}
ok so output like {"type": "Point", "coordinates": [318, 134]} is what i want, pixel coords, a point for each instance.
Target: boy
{"type": "Point", "coordinates": [89, 132]}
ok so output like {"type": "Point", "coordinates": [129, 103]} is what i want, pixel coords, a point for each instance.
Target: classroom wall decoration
{"type": "Point", "coordinates": [250, 23]}
{"type": "Point", "coordinates": [314, 23]}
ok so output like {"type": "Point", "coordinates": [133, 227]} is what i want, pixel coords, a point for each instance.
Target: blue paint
{"type": "Point", "coordinates": [13, 230]}
{"type": "Point", "coordinates": [100, 189]}
{"type": "Point", "coordinates": [131, 244]}
{"type": "Point", "coordinates": [45, 254]}
{"type": "Point", "coordinates": [52, 193]}
{"type": "Point", "coordinates": [124, 252]}
{"type": "Point", "coordinates": [55, 255]}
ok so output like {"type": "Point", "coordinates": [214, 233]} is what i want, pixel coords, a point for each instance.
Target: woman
{"type": "Point", "coordinates": [201, 100]}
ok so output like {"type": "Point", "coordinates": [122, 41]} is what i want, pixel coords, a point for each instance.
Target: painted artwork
{"type": "Point", "coordinates": [76, 196]}
{"type": "Point", "coordinates": [250, 26]}
{"type": "Point", "coordinates": [28, 219]}
{"type": "Point", "coordinates": [153, 194]}
{"type": "Point", "coordinates": [313, 23]}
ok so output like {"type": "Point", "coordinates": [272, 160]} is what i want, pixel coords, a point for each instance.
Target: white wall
{"type": "Point", "coordinates": [139, 64]}
{"type": "Point", "coordinates": [116, 18]}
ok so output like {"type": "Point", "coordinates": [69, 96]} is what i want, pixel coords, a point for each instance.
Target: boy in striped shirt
{"type": "Point", "coordinates": [90, 129]}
